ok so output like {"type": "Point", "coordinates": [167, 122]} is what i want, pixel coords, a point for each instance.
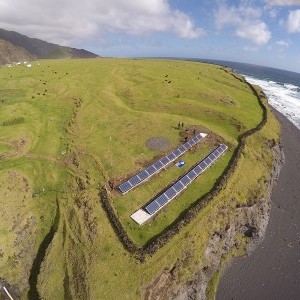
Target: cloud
{"type": "Point", "coordinates": [64, 21]}
{"type": "Point", "coordinates": [293, 21]}
{"type": "Point", "coordinates": [245, 20]}
{"type": "Point", "coordinates": [283, 2]}
{"type": "Point", "coordinates": [271, 11]}
{"type": "Point", "coordinates": [258, 33]}
{"type": "Point", "coordinates": [283, 43]}
{"type": "Point", "coordinates": [250, 49]}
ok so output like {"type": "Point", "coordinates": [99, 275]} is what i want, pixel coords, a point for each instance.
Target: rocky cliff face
{"type": "Point", "coordinates": [249, 221]}
{"type": "Point", "coordinates": [10, 53]}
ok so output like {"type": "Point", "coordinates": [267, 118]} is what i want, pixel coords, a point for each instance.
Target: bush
{"type": "Point", "coordinates": [13, 122]}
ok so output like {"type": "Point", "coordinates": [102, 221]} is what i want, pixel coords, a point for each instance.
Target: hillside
{"type": "Point", "coordinates": [71, 129]}
{"type": "Point", "coordinates": [42, 49]}
{"type": "Point", "coordinates": [10, 53]}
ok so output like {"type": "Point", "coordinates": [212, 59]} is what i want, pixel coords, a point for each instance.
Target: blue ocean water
{"type": "Point", "coordinates": [282, 87]}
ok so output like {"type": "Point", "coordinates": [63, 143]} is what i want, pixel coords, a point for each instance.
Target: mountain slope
{"type": "Point", "coordinates": [42, 49]}
{"type": "Point", "coordinates": [10, 53]}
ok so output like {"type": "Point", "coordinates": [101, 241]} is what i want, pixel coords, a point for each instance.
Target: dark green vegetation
{"type": "Point", "coordinates": [85, 124]}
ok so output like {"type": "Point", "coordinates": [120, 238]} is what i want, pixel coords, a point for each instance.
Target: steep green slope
{"type": "Point", "coordinates": [42, 49]}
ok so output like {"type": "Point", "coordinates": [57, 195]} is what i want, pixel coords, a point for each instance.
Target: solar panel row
{"type": "Point", "coordinates": [159, 165]}
{"type": "Point", "coordinates": [182, 183]}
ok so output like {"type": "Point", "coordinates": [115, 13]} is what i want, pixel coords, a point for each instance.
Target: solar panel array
{"type": "Point", "coordinates": [182, 183]}
{"type": "Point", "coordinates": [159, 165]}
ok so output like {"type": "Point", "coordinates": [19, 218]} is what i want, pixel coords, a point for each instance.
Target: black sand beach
{"type": "Point", "coordinates": [273, 270]}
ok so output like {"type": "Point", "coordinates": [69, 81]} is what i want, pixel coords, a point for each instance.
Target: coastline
{"type": "Point", "coordinates": [272, 271]}
{"type": "Point", "coordinates": [250, 220]}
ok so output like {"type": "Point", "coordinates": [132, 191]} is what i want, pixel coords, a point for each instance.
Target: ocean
{"type": "Point", "coordinates": [282, 87]}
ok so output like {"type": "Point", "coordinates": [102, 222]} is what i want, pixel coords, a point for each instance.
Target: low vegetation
{"type": "Point", "coordinates": [74, 126]}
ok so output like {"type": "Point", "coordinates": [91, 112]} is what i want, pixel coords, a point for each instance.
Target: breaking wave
{"type": "Point", "coordinates": [283, 97]}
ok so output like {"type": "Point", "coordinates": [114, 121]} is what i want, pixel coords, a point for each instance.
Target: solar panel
{"type": "Point", "coordinates": [143, 175]}
{"type": "Point", "coordinates": [171, 156]}
{"type": "Point", "coordinates": [212, 156]}
{"type": "Point", "coordinates": [220, 151]}
{"type": "Point", "coordinates": [178, 186]}
{"type": "Point", "coordinates": [185, 180]}
{"type": "Point", "coordinates": [162, 200]}
{"type": "Point", "coordinates": [198, 169]}
{"type": "Point", "coordinates": [157, 166]}
{"type": "Point", "coordinates": [192, 142]}
{"type": "Point", "coordinates": [134, 180]}
{"type": "Point", "coordinates": [182, 183]}
{"type": "Point", "coordinates": [192, 175]}
{"type": "Point", "coordinates": [177, 152]}
{"type": "Point", "coordinates": [152, 207]}
{"type": "Point", "coordinates": [170, 193]}
{"type": "Point", "coordinates": [216, 153]}
{"type": "Point", "coordinates": [198, 137]}
{"type": "Point", "coordinates": [206, 161]}
{"type": "Point", "coordinates": [151, 170]}
{"type": "Point", "coordinates": [202, 165]}
{"type": "Point", "coordinates": [182, 149]}
{"type": "Point", "coordinates": [165, 160]}
{"type": "Point", "coordinates": [124, 187]}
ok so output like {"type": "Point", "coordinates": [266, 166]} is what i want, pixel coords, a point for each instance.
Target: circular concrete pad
{"type": "Point", "coordinates": [158, 143]}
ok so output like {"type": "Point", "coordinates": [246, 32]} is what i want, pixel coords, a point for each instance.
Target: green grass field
{"type": "Point", "coordinates": [68, 127]}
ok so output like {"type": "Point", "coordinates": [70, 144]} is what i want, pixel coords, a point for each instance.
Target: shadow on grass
{"type": "Point", "coordinates": [33, 293]}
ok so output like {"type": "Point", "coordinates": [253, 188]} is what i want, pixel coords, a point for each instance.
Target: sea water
{"type": "Point", "coordinates": [281, 87]}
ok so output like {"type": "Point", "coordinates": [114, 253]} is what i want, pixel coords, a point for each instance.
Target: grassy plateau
{"type": "Point", "coordinates": [69, 127]}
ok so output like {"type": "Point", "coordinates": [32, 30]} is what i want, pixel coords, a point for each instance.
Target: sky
{"type": "Point", "coordinates": [263, 32]}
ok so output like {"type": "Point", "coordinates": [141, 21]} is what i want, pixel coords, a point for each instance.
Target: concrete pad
{"type": "Point", "coordinates": [140, 216]}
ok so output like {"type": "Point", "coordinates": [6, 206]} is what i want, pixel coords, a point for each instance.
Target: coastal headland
{"type": "Point", "coordinates": [73, 130]}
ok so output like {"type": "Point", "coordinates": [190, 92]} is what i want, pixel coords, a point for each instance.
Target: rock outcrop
{"type": "Point", "coordinates": [10, 53]}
